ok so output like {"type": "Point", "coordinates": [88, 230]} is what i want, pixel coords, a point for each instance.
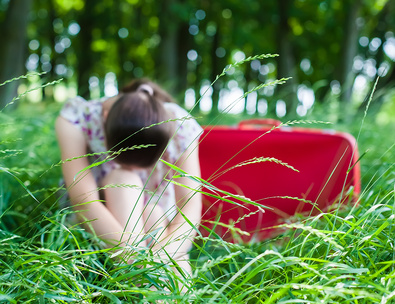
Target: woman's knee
{"type": "Point", "coordinates": [154, 217]}
{"type": "Point", "coordinates": [124, 188]}
{"type": "Point", "coordinates": [123, 176]}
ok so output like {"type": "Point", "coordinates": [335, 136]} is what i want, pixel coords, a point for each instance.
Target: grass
{"type": "Point", "coordinates": [343, 256]}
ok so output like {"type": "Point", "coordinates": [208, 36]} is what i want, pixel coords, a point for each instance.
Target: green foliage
{"type": "Point", "coordinates": [78, 40]}
{"type": "Point", "coordinates": [340, 256]}
{"type": "Point", "coordinates": [28, 149]}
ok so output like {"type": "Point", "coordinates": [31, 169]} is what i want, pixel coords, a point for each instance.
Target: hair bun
{"type": "Point", "coordinates": [146, 88]}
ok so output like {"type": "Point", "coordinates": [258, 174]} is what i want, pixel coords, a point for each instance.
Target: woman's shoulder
{"type": "Point", "coordinates": [77, 109]}
{"type": "Point", "coordinates": [187, 129]}
{"type": "Point", "coordinates": [181, 115]}
{"type": "Point", "coordinates": [175, 110]}
{"type": "Point", "coordinates": [78, 103]}
{"type": "Point", "coordinates": [84, 115]}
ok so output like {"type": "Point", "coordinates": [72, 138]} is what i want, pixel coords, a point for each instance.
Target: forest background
{"type": "Point", "coordinates": [333, 50]}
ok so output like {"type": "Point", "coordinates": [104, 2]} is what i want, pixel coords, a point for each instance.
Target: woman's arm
{"type": "Point", "coordinates": [176, 238]}
{"type": "Point", "coordinates": [82, 188]}
{"type": "Point", "coordinates": [190, 202]}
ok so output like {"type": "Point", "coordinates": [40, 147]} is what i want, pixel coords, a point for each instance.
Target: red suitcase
{"type": "Point", "coordinates": [326, 161]}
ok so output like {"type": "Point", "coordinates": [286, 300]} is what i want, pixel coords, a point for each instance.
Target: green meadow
{"type": "Point", "coordinates": [346, 255]}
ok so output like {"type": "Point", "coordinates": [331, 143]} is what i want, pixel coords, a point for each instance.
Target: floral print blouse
{"type": "Point", "coordinates": [87, 116]}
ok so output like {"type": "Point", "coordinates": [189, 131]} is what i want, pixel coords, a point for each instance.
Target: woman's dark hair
{"type": "Point", "coordinates": [136, 119]}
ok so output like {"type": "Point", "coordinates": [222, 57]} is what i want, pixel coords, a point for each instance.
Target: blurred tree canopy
{"type": "Point", "coordinates": [329, 48]}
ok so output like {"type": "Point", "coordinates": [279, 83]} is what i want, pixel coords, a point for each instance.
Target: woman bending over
{"type": "Point", "coordinates": [137, 127]}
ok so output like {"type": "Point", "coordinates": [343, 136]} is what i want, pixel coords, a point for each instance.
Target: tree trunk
{"type": "Point", "coordinates": [286, 61]}
{"type": "Point", "coordinates": [84, 53]}
{"type": "Point", "coordinates": [168, 57]}
{"type": "Point", "coordinates": [349, 49]}
{"type": "Point", "coordinates": [12, 51]}
{"type": "Point", "coordinates": [215, 71]}
{"type": "Point", "coordinates": [184, 45]}
{"type": "Point", "coordinates": [50, 33]}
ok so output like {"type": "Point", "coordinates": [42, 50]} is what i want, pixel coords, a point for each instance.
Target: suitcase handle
{"type": "Point", "coordinates": [259, 123]}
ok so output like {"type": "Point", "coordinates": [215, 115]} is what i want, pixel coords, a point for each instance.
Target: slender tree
{"type": "Point", "coordinates": [85, 61]}
{"type": "Point", "coordinates": [286, 61]}
{"type": "Point", "coordinates": [13, 48]}
{"type": "Point", "coordinates": [349, 48]}
{"type": "Point", "coordinates": [169, 33]}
